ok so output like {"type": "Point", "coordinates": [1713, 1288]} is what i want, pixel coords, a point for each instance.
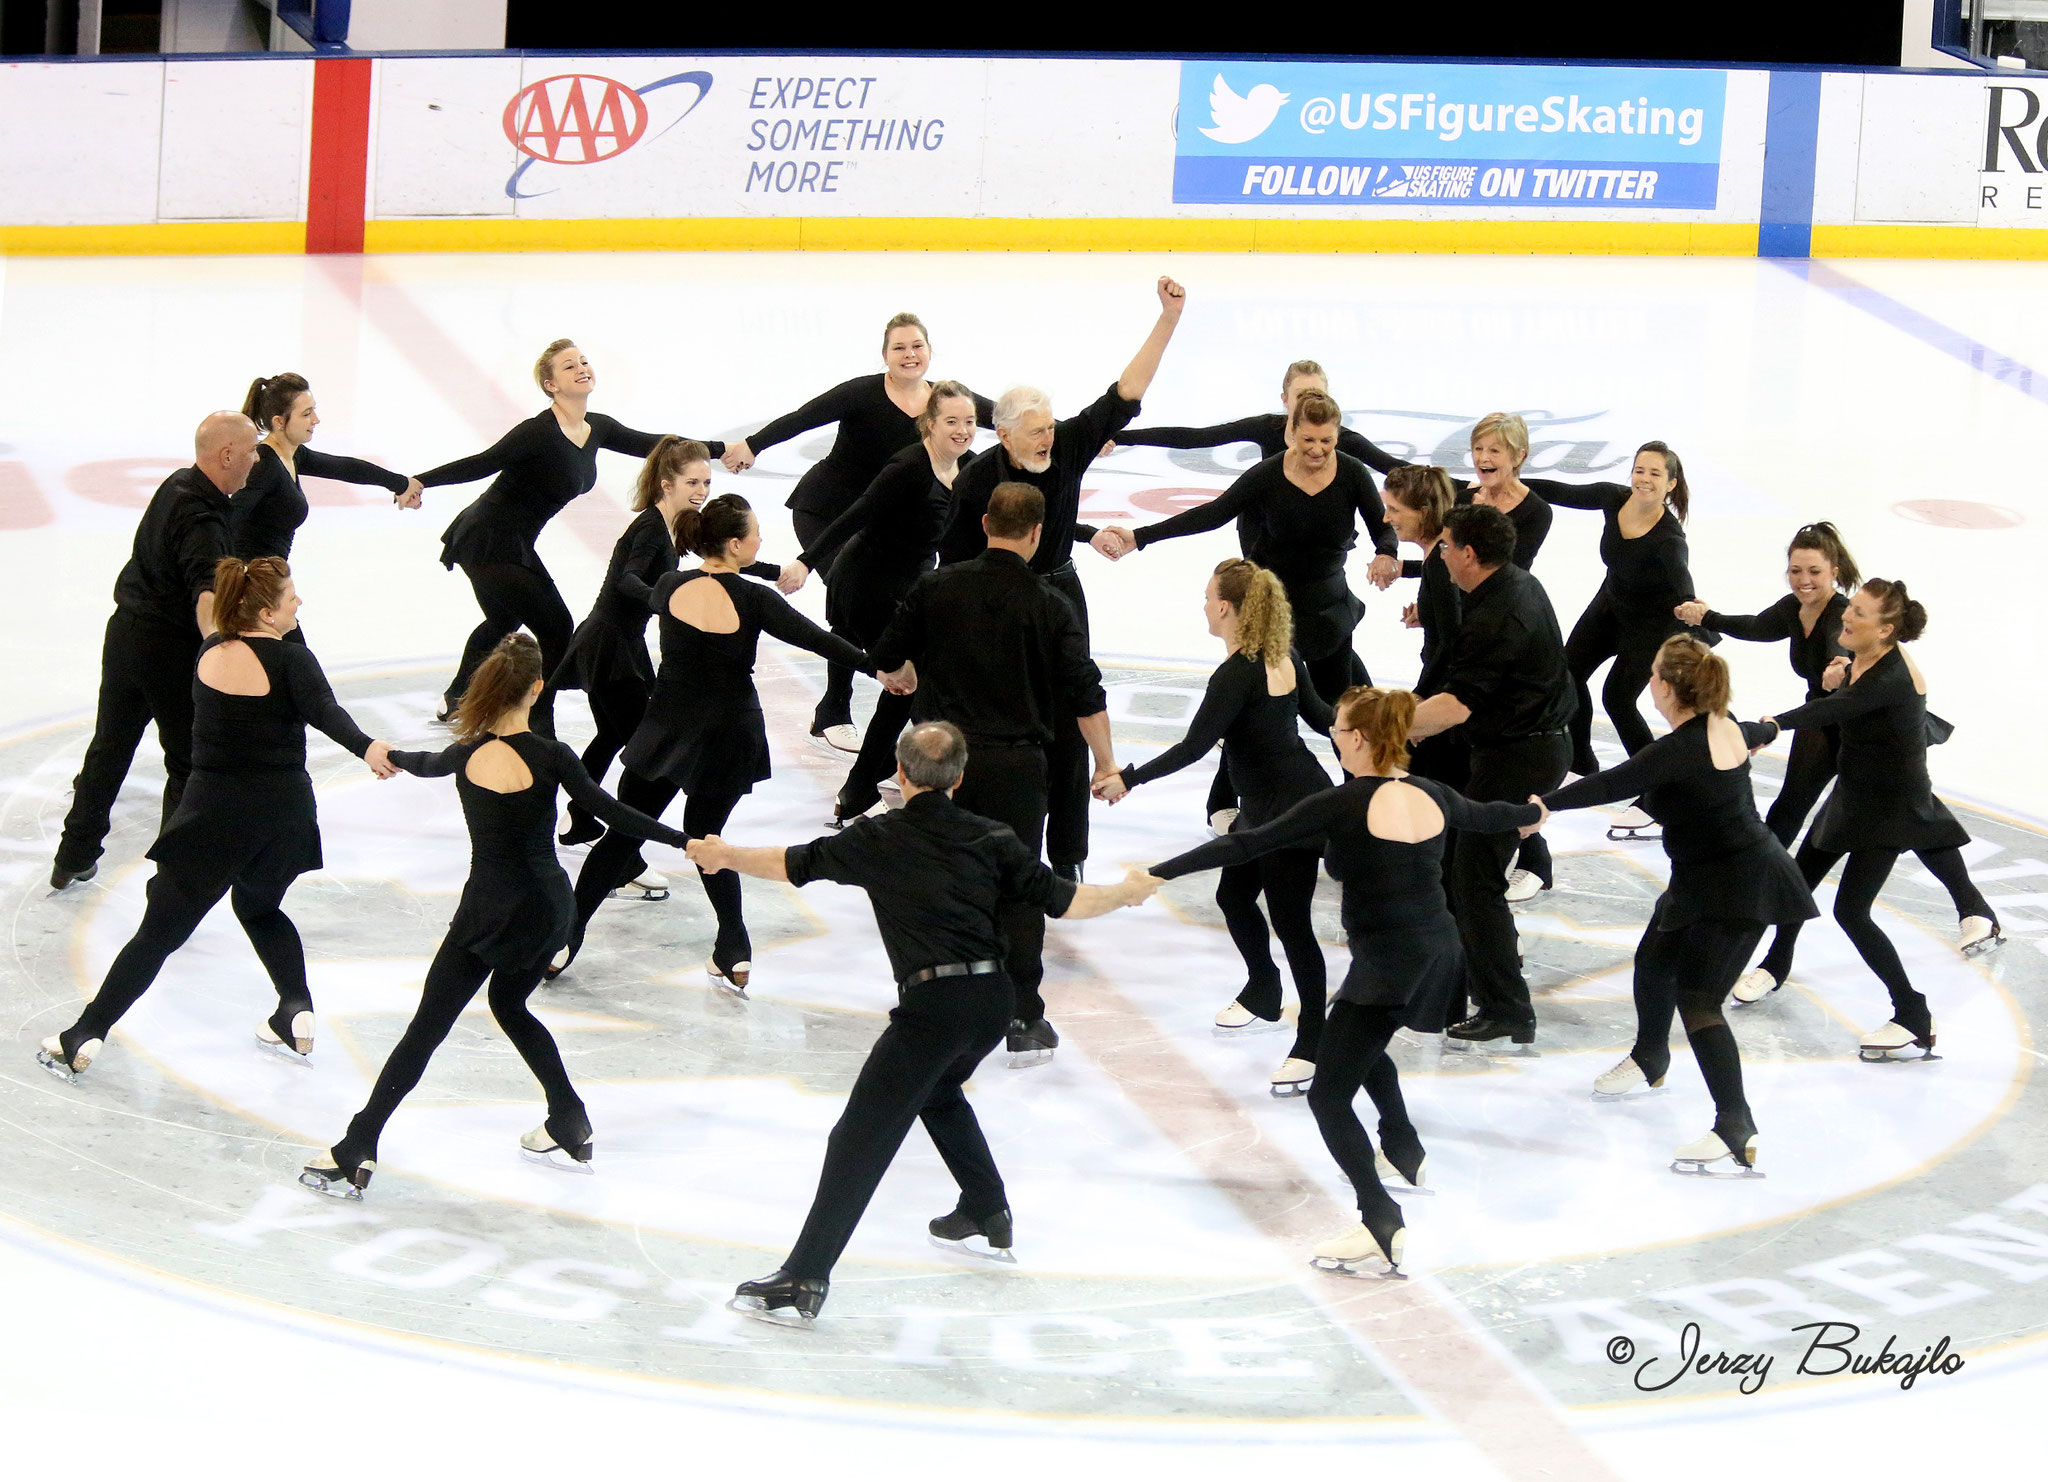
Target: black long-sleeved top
{"type": "Point", "coordinates": [538, 472]}
{"type": "Point", "coordinates": [1725, 864]}
{"type": "Point", "coordinates": [1646, 576]}
{"type": "Point", "coordinates": [1810, 653]}
{"type": "Point", "coordinates": [1440, 607]}
{"type": "Point", "coordinates": [181, 538]}
{"type": "Point", "coordinates": [1531, 519]}
{"type": "Point", "coordinates": [1266, 430]}
{"type": "Point", "coordinates": [267, 733]}
{"type": "Point", "coordinates": [1507, 663]}
{"type": "Point", "coordinates": [937, 876]}
{"type": "Point", "coordinates": [1075, 442]}
{"type": "Point", "coordinates": [872, 429]}
{"type": "Point", "coordinates": [1261, 741]}
{"type": "Point", "coordinates": [900, 516]}
{"type": "Point", "coordinates": [999, 653]}
{"type": "Point", "coordinates": [269, 509]}
{"type": "Point", "coordinates": [1298, 536]}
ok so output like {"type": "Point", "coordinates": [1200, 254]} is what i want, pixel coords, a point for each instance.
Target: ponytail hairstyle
{"type": "Point", "coordinates": [941, 391]}
{"type": "Point", "coordinates": [1383, 718]}
{"type": "Point", "coordinates": [1426, 489]}
{"type": "Point", "coordinates": [1317, 409]}
{"type": "Point", "coordinates": [243, 589]}
{"type": "Point", "coordinates": [903, 321]}
{"type": "Point", "coordinates": [271, 397]}
{"type": "Point", "coordinates": [1680, 497]}
{"type": "Point", "coordinates": [1697, 675]}
{"type": "Point", "coordinates": [1822, 537]}
{"type": "Point", "coordinates": [1510, 428]}
{"type": "Point", "coordinates": [544, 368]}
{"type": "Point", "coordinates": [498, 686]}
{"type": "Point", "coordinates": [708, 531]}
{"type": "Point", "coordinates": [1265, 621]}
{"type": "Point", "coordinates": [670, 457]}
{"type": "Point", "coordinates": [1299, 369]}
{"type": "Point", "coordinates": [1908, 619]}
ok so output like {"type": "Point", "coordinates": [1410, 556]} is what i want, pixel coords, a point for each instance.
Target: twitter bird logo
{"type": "Point", "coordinates": [1240, 119]}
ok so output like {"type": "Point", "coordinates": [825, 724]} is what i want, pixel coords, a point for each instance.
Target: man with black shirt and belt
{"type": "Point", "coordinates": [1503, 678]}
{"type": "Point", "coordinates": [1052, 456]}
{"type": "Point", "coordinates": [163, 611]}
{"type": "Point", "coordinates": [1002, 655]}
{"type": "Point", "coordinates": [942, 881]}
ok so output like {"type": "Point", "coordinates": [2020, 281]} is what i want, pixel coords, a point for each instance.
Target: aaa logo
{"type": "Point", "coordinates": [575, 119]}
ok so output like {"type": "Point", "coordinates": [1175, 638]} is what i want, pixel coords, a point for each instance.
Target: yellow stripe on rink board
{"type": "Point", "coordinates": [158, 237]}
{"type": "Point", "coordinates": [1988, 243]}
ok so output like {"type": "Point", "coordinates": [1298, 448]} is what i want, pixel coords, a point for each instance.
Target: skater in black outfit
{"type": "Point", "coordinates": [1298, 516]}
{"type": "Point", "coordinates": [878, 417]}
{"type": "Point", "coordinates": [1254, 702]}
{"type": "Point", "coordinates": [163, 610]}
{"type": "Point", "coordinates": [1267, 431]}
{"type": "Point", "coordinates": [942, 881]}
{"type": "Point", "coordinates": [1505, 683]}
{"type": "Point", "coordinates": [1052, 457]}
{"type": "Point", "coordinates": [269, 509]}
{"type": "Point", "coordinates": [703, 734]}
{"type": "Point", "coordinates": [607, 656]}
{"type": "Point", "coordinates": [1382, 836]}
{"type": "Point", "coordinates": [995, 649]}
{"type": "Point", "coordinates": [881, 544]}
{"type": "Point", "coordinates": [246, 824]}
{"type": "Point", "coordinates": [1882, 805]}
{"type": "Point", "coordinates": [515, 910]}
{"type": "Point", "coordinates": [1418, 499]}
{"type": "Point", "coordinates": [541, 465]}
{"type": "Point", "coordinates": [1730, 878]}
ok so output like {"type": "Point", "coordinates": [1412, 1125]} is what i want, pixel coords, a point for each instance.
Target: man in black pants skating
{"type": "Point", "coordinates": [1503, 677]}
{"type": "Point", "coordinates": [163, 611]}
{"type": "Point", "coordinates": [941, 880]}
{"type": "Point", "coordinates": [1001, 654]}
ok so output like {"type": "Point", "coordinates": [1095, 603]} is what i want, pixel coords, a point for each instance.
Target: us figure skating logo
{"type": "Point", "coordinates": [580, 118]}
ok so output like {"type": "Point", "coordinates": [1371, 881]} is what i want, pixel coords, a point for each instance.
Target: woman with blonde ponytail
{"type": "Point", "coordinates": [1382, 837]}
{"type": "Point", "coordinates": [1255, 698]}
{"type": "Point", "coordinates": [246, 826]}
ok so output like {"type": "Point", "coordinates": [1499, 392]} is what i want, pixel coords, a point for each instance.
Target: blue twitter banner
{"type": "Point", "coordinates": [1372, 134]}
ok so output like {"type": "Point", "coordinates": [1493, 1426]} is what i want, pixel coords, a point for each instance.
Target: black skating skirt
{"type": "Point", "coordinates": [248, 826]}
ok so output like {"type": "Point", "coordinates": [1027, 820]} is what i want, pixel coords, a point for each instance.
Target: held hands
{"type": "Point", "coordinates": [1411, 616]}
{"type": "Point", "coordinates": [1172, 298]}
{"type": "Point", "coordinates": [1137, 887]}
{"type": "Point", "coordinates": [1114, 542]}
{"type": "Point", "coordinates": [1529, 828]}
{"type": "Point", "coordinates": [1692, 614]}
{"type": "Point", "coordinates": [409, 497]}
{"type": "Point", "coordinates": [1831, 677]}
{"type": "Point", "coordinates": [1108, 786]}
{"type": "Point", "coordinates": [709, 854]}
{"type": "Point", "coordinates": [901, 681]}
{"type": "Point", "coordinates": [794, 575]}
{"type": "Point", "coordinates": [1384, 572]}
{"type": "Point", "coordinates": [737, 457]}
{"type": "Point", "coordinates": [379, 759]}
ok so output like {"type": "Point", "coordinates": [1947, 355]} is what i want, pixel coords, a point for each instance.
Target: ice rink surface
{"type": "Point", "coordinates": [171, 1297]}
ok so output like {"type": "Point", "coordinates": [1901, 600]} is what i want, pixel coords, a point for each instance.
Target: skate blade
{"type": "Point", "coordinates": [1634, 1093]}
{"type": "Point", "coordinates": [1894, 1057]}
{"type": "Point", "coordinates": [282, 1050]}
{"type": "Point", "coordinates": [560, 1158]}
{"type": "Point", "coordinates": [1401, 1187]}
{"type": "Point", "coordinates": [733, 983]}
{"type": "Point", "coordinates": [983, 1252]}
{"type": "Point", "coordinates": [333, 1188]}
{"type": "Point", "coordinates": [1693, 1168]}
{"type": "Point", "coordinates": [1027, 1059]}
{"type": "Point", "coordinates": [1635, 835]}
{"type": "Point", "coordinates": [57, 1067]}
{"type": "Point", "coordinates": [1257, 1026]}
{"type": "Point", "coordinates": [1485, 1049]}
{"type": "Point", "coordinates": [1370, 1268]}
{"type": "Point", "coordinates": [1980, 949]}
{"type": "Point", "coordinates": [781, 1317]}
{"type": "Point", "coordinates": [639, 893]}
{"type": "Point", "coordinates": [1289, 1090]}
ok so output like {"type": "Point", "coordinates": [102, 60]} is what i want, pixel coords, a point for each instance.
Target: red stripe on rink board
{"type": "Point", "coordinates": [338, 174]}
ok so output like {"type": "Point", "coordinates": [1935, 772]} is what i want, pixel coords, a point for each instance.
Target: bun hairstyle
{"type": "Point", "coordinates": [941, 391]}
{"type": "Point", "coordinates": [1316, 409]}
{"type": "Point", "coordinates": [1680, 497]}
{"type": "Point", "coordinates": [498, 686]}
{"type": "Point", "coordinates": [1510, 428]}
{"type": "Point", "coordinates": [1265, 621]}
{"type": "Point", "coordinates": [1825, 539]}
{"type": "Point", "coordinates": [670, 457]}
{"type": "Point", "coordinates": [1426, 489]}
{"type": "Point", "coordinates": [901, 321]}
{"type": "Point", "coordinates": [243, 589]}
{"type": "Point", "coordinates": [273, 396]}
{"type": "Point", "coordinates": [708, 531]}
{"type": "Point", "coordinates": [1299, 369]}
{"type": "Point", "coordinates": [1907, 618]}
{"type": "Point", "coordinates": [544, 368]}
{"type": "Point", "coordinates": [1383, 718]}
{"type": "Point", "coordinates": [1697, 675]}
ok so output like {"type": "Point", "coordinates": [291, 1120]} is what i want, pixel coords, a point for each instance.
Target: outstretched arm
{"type": "Point", "coordinates": [1580, 496]}
{"type": "Point", "coordinates": [713, 854]}
{"type": "Point", "coordinates": [1099, 900]}
{"type": "Point", "coordinates": [1137, 376]}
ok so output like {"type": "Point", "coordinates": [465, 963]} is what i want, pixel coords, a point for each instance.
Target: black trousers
{"type": "Point", "coordinates": [1287, 879]}
{"type": "Point", "coordinates": [835, 706]}
{"type": "Point", "coordinates": [1069, 765]}
{"type": "Point", "coordinates": [937, 1034]}
{"type": "Point", "coordinates": [145, 677]}
{"type": "Point", "coordinates": [617, 705]}
{"type": "Point", "coordinates": [877, 759]}
{"type": "Point", "coordinates": [1006, 782]}
{"type": "Point", "coordinates": [616, 859]}
{"type": "Point", "coordinates": [452, 981]}
{"type": "Point", "coordinates": [1355, 1055]}
{"type": "Point", "coordinates": [1599, 635]}
{"type": "Point", "coordinates": [1509, 772]}
{"type": "Point", "coordinates": [514, 597]}
{"type": "Point", "coordinates": [168, 921]}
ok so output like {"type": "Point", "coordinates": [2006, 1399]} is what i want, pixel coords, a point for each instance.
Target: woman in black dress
{"type": "Point", "coordinates": [703, 734]}
{"type": "Point", "coordinates": [1254, 702]}
{"type": "Point", "coordinates": [878, 418]}
{"type": "Point", "coordinates": [1298, 516]}
{"type": "Point", "coordinates": [1418, 497]}
{"type": "Point", "coordinates": [515, 910]}
{"type": "Point", "coordinates": [1382, 834]}
{"type": "Point", "coordinates": [1883, 805]}
{"type": "Point", "coordinates": [1730, 878]}
{"type": "Point", "coordinates": [246, 826]}
{"type": "Point", "coordinates": [541, 465]}
{"type": "Point", "coordinates": [1267, 431]}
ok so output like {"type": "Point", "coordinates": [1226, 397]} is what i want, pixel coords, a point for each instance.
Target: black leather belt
{"type": "Point", "coordinates": [951, 970]}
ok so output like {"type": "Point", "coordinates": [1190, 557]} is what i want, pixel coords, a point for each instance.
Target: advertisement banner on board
{"type": "Point", "coordinates": [1396, 134]}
